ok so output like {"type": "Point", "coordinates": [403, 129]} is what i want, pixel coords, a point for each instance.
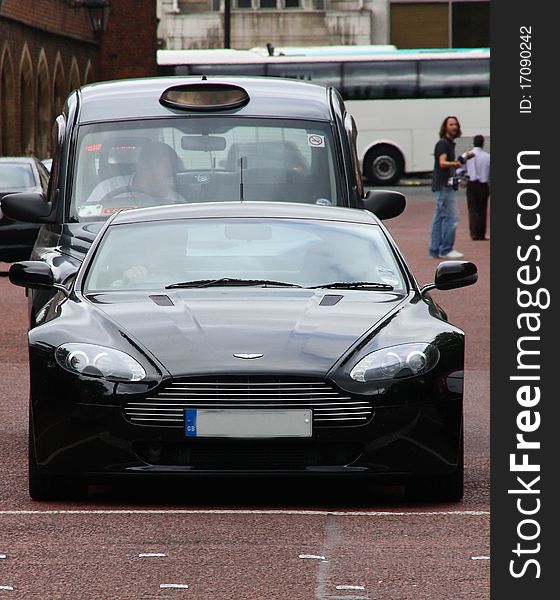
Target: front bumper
{"type": "Point", "coordinates": [415, 429]}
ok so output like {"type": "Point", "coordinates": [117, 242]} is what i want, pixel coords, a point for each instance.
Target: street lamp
{"type": "Point", "coordinates": [97, 12]}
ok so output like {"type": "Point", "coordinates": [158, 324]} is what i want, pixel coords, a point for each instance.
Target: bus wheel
{"type": "Point", "coordinates": [383, 165]}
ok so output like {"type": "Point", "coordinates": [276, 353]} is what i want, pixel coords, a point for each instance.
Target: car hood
{"type": "Point", "coordinates": [199, 331]}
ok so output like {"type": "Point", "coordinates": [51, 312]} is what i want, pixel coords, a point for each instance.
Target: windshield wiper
{"type": "Point", "coordinates": [225, 281]}
{"type": "Point", "coordinates": [372, 285]}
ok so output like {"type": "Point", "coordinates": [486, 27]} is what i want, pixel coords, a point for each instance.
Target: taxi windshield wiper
{"type": "Point", "coordinates": [371, 285]}
{"type": "Point", "coordinates": [224, 281]}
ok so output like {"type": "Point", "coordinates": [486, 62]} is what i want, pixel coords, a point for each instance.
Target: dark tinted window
{"type": "Point", "coordinates": [447, 78]}
{"type": "Point", "coordinates": [326, 73]}
{"type": "Point", "coordinates": [381, 79]}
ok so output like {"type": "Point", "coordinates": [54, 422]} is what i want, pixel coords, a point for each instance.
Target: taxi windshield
{"type": "Point", "coordinates": [145, 163]}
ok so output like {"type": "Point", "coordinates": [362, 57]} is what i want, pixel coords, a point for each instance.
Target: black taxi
{"type": "Point", "coordinates": [157, 141]}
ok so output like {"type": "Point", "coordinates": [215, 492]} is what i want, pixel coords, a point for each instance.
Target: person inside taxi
{"type": "Point", "coordinates": [155, 175]}
{"type": "Point", "coordinates": [153, 183]}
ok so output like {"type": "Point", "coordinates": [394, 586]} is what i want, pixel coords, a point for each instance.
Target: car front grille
{"type": "Point", "coordinates": [226, 455]}
{"type": "Point", "coordinates": [330, 406]}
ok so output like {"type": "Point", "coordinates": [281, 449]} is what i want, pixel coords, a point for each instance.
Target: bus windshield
{"type": "Point", "coordinates": [144, 163]}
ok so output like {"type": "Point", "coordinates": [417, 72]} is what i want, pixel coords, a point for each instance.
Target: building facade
{"type": "Point", "coordinates": [186, 24]}
{"type": "Point", "coordinates": [48, 48]}
{"type": "Point", "coordinates": [200, 23]}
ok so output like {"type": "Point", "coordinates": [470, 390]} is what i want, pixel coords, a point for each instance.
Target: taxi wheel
{"type": "Point", "coordinates": [51, 487]}
{"type": "Point", "coordinates": [383, 165]}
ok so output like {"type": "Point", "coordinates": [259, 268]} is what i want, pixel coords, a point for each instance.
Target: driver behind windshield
{"type": "Point", "coordinates": [153, 183]}
{"type": "Point", "coordinates": [155, 175]}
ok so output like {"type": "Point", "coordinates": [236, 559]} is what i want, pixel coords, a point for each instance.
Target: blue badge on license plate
{"type": "Point", "coordinates": [190, 422]}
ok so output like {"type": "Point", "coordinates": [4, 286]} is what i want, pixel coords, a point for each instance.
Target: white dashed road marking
{"type": "Point", "coordinates": [350, 587]}
{"type": "Point", "coordinates": [175, 586]}
{"type": "Point", "coordinates": [151, 554]}
{"type": "Point", "coordinates": [312, 556]}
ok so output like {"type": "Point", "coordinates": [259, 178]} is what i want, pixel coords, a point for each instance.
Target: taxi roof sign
{"type": "Point", "coordinates": [204, 96]}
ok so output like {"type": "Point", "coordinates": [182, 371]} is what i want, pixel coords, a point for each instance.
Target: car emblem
{"type": "Point", "coordinates": [243, 355]}
{"type": "Point", "coordinates": [202, 178]}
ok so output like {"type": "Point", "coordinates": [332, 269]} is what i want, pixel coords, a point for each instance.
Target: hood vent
{"type": "Point", "coordinates": [331, 300]}
{"type": "Point", "coordinates": [162, 300]}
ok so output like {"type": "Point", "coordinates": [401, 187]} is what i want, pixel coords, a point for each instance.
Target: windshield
{"type": "Point", "coordinates": [237, 251]}
{"type": "Point", "coordinates": [201, 159]}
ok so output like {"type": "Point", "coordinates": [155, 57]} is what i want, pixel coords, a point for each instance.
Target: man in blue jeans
{"type": "Point", "coordinates": [446, 215]}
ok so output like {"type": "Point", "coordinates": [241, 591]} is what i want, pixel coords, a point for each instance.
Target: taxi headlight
{"type": "Point", "coordinates": [396, 362]}
{"type": "Point", "coordinates": [99, 361]}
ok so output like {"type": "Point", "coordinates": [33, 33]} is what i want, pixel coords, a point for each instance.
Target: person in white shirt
{"type": "Point", "coordinates": [478, 188]}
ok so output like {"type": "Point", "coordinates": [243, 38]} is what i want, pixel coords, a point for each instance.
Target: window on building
{"type": "Point", "coordinates": [270, 4]}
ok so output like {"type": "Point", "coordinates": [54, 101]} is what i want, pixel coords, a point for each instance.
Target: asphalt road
{"type": "Point", "coordinates": [255, 539]}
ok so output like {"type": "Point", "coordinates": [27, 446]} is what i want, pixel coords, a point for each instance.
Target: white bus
{"type": "Point", "coordinates": [398, 98]}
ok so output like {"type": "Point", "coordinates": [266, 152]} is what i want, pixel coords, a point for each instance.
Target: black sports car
{"type": "Point", "coordinates": [224, 338]}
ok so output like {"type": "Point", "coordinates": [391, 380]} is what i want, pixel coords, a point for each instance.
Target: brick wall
{"type": "Point", "coordinates": [50, 46]}
{"type": "Point", "coordinates": [128, 46]}
{"type": "Point", "coordinates": [52, 15]}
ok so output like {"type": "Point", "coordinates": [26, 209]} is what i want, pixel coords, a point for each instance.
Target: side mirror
{"type": "Point", "coordinates": [453, 274]}
{"type": "Point", "coordinates": [34, 274]}
{"type": "Point", "coordinates": [384, 204]}
{"type": "Point", "coordinates": [31, 274]}
{"type": "Point", "coordinates": [31, 207]}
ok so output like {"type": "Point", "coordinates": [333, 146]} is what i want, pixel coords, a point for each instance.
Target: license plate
{"type": "Point", "coordinates": [241, 423]}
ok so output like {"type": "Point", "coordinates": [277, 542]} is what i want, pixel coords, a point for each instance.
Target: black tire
{"type": "Point", "coordinates": [51, 487]}
{"type": "Point", "coordinates": [383, 165]}
{"type": "Point", "coordinates": [444, 488]}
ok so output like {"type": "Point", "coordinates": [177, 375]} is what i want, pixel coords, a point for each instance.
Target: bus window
{"type": "Point", "coordinates": [379, 79]}
{"type": "Point", "coordinates": [454, 78]}
{"type": "Point", "coordinates": [225, 69]}
{"type": "Point", "coordinates": [322, 72]}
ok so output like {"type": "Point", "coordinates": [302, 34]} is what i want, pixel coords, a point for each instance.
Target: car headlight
{"type": "Point", "coordinates": [396, 362]}
{"type": "Point", "coordinates": [99, 361]}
